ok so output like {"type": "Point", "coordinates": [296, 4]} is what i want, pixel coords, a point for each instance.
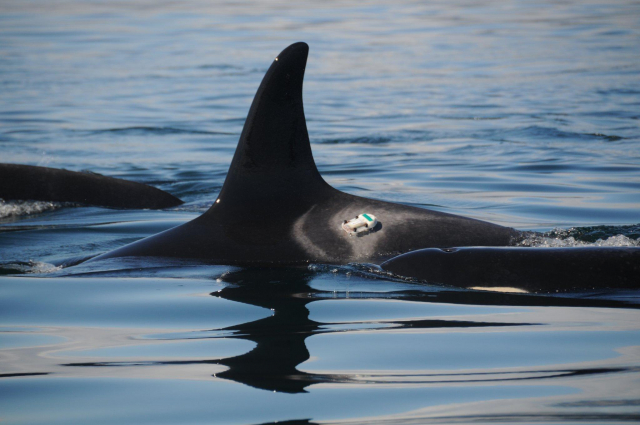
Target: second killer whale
{"type": "Point", "coordinates": [34, 183]}
{"type": "Point", "coordinates": [275, 208]}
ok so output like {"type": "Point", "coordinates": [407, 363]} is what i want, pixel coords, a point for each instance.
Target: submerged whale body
{"type": "Point", "coordinates": [528, 269]}
{"type": "Point", "coordinates": [275, 207]}
{"type": "Point", "coordinates": [29, 182]}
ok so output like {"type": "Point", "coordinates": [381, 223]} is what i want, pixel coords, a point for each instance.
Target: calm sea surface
{"type": "Point", "coordinates": [524, 113]}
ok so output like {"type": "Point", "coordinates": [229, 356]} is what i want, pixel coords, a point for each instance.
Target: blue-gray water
{"type": "Point", "coordinates": [520, 113]}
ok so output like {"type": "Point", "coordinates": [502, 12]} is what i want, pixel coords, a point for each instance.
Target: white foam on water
{"type": "Point", "coordinates": [18, 208]}
{"type": "Point", "coordinates": [561, 240]}
{"type": "Point", "coordinates": [40, 267]}
{"type": "Point", "coordinates": [32, 267]}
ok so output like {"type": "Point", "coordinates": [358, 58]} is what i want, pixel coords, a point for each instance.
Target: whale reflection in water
{"type": "Point", "coordinates": [273, 364]}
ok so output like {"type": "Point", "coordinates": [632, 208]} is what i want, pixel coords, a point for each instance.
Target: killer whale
{"type": "Point", "coordinates": [275, 207]}
{"type": "Point", "coordinates": [30, 182]}
{"type": "Point", "coordinates": [525, 269]}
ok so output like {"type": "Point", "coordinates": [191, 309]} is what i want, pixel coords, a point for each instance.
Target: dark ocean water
{"type": "Point", "coordinates": [525, 114]}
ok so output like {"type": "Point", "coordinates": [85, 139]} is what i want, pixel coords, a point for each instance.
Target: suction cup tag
{"type": "Point", "coordinates": [362, 223]}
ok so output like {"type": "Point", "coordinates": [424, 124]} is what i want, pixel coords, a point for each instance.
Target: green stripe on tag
{"type": "Point", "coordinates": [367, 217]}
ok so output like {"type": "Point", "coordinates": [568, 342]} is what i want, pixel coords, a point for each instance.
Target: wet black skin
{"type": "Point", "coordinates": [531, 269]}
{"type": "Point", "coordinates": [28, 182]}
{"type": "Point", "coordinates": [275, 208]}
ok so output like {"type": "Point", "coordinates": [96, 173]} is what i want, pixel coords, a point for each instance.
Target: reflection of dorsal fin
{"type": "Point", "coordinates": [274, 155]}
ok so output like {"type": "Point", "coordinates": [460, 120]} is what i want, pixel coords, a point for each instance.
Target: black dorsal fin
{"type": "Point", "coordinates": [273, 157]}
